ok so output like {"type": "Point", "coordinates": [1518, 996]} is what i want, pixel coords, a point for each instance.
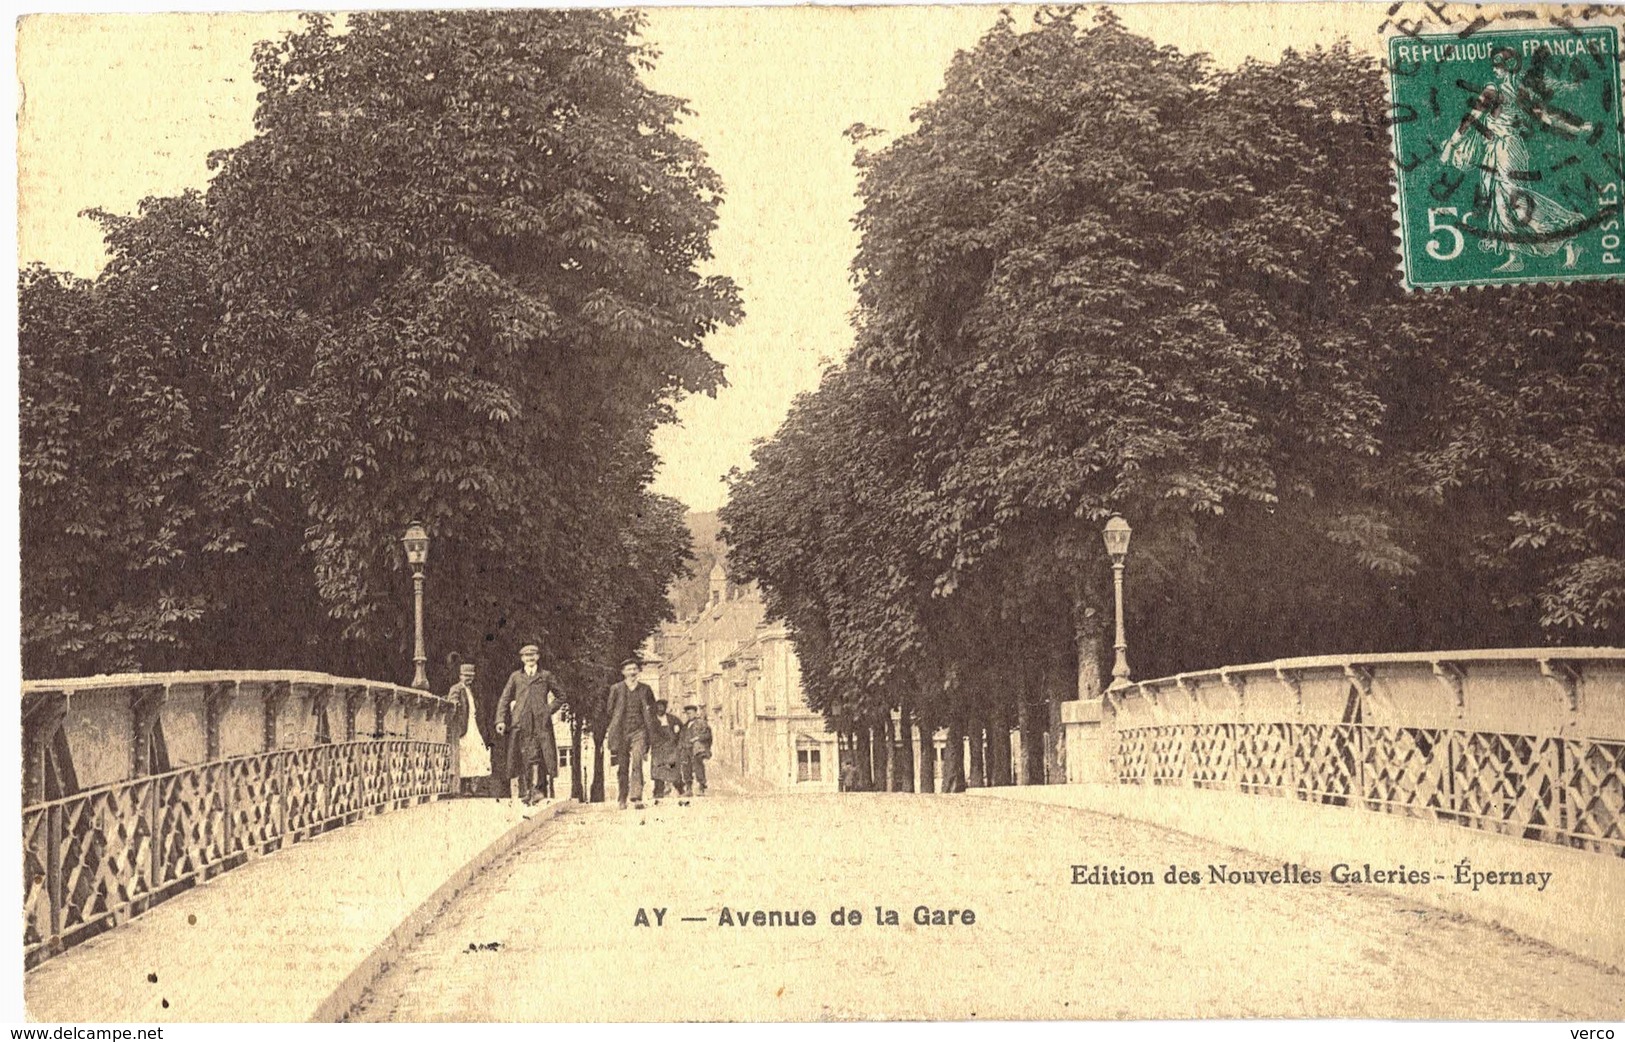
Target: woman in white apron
{"type": "Point", "coordinates": [468, 728]}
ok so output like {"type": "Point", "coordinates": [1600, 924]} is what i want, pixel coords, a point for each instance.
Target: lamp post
{"type": "Point", "coordinates": [416, 541]}
{"type": "Point", "coordinates": [1116, 535]}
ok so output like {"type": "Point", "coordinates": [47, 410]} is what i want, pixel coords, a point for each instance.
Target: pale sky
{"type": "Point", "coordinates": [117, 107]}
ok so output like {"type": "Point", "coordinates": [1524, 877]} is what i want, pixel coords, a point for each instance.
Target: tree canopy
{"type": "Point", "coordinates": [1103, 276]}
{"type": "Point", "coordinates": [456, 275]}
{"type": "Point", "coordinates": [119, 423]}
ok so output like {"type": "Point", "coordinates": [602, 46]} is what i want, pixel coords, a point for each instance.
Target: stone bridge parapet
{"type": "Point", "coordinates": [1528, 743]}
{"type": "Point", "coordinates": [136, 786]}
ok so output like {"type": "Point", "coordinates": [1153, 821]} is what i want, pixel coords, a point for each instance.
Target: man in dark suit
{"type": "Point", "coordinates": [525, 713]}
{"type": "Point", "coordinates": [631, 709]}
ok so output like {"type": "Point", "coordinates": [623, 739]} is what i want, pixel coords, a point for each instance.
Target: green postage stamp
{"type": "Point", "coordinates": [1507, 149]}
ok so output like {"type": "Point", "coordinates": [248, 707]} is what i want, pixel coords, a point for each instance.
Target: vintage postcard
{"type": "Point", "coordinates": [930, 513]}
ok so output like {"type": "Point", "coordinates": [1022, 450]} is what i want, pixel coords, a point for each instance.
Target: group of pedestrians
{"type": "Point", "coordinates": [505, 746]}
{"type": "Point", "coordinates": [640, 726]}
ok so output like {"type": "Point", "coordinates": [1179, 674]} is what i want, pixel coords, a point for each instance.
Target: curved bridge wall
{"type": "Point", "coordinates": [137, 786]}
{"type": "Point", "coordinates": [1528, 743]}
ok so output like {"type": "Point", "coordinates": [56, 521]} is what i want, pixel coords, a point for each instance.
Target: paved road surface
{"type": "Point", "coordinates": [549, 934]}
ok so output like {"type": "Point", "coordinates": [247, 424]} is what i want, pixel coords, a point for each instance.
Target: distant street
{"type": "Point", "coordinates": [549, 933]}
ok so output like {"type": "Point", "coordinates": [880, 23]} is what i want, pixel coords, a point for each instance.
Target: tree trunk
{"type": "Point", "coordinates": [1089, 629]}
{"type": "Point", "coordinates": [977, 778]}
{"type": "Point", "coordinates": [953, 756]}
{"type": "Point", "coordinates": [1057, 669]}
{"type": "Point", "coordinates": [866, 759]}
{"type": "Point", "coordinates": [577, 789]}
{"type": "Point", "coordinates": [905, 748]}
{"type": "Point", "coordinates": [1030, 742]}
{"type": "Point", "coordinates": [888, 754]}
{"type": "Point", "coordinates": [998, 744]}
{"type": "Point", "coordinates": [1034, 750]}
{"type": "Point", "coordinates": [1090, 634]}
{"type": "Point", "coordinates": [598, 758]}
{"type": "Point", "coordinates": [928, 752]}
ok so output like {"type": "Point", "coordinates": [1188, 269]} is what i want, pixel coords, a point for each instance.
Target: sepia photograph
{"type": "Point", "coordinates": [1105, 513]}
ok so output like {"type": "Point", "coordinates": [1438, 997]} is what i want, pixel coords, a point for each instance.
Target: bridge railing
{"type": "Point", "coordinates": [1525, 742]}
{"type": "Point", "coordinates": [137, 786]}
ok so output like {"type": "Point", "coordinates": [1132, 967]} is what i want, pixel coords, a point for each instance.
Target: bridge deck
{"type": "Point", "coordinates": [1576, 909]}
{"type": "Point", "coordinates": [285, 937]}
{"type": "Point", "coordinates": [550, 933]}
{"type": "Point", "coordinates": [547, 929]}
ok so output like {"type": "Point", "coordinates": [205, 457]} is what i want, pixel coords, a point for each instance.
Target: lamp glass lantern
{"type": "Point", "coordinates": [416, 541]}
{"type": "Point", "coordinates": [1116, 535]}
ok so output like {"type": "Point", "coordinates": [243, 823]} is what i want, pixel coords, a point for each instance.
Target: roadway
{"type": "Point", "coordinates": [551, 931]}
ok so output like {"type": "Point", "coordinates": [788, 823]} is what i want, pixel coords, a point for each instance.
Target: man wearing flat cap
{"type": "Point", "coordinates": [525, 714]}
{"type": "Point", "coordinates": [631, 709]}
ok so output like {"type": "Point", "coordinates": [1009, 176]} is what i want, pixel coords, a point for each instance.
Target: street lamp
{"type": "Point", "coordinates": [416, 541]}
{"type": "Point", "coordinates": [1116, 535]}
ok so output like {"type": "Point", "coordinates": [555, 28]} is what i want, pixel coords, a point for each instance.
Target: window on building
{"type": "Point", "coordinates": [564, 757]}
{"type": "Point", "coordinates": [809, 765]}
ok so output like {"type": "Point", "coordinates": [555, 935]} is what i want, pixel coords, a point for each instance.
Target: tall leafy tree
{"type": "Point", "coordinates": [628, 599]}
{"type": "Point", "coordinates": [1102, 276]}
{"type": "Point", "coordinates": [456, 275]}
{"type": "Point", "coordinates": [826, 521]}
{"type": "Point", "coordinates": [459, 265]}
{"type": "Point", "coordinates": [118, 411]}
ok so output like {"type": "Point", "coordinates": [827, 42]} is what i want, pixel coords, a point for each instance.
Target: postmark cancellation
{"type": "Point", "coordinates": [1508, 158]}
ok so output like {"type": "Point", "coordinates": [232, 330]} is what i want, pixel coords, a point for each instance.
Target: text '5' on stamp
{"type": "Point", "coordinates": [1508, 155]}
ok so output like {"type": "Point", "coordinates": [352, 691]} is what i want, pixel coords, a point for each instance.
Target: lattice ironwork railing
{"type": "Point", "coordinates": [1569, 791]}
{"type": "Point", "coordinates": [98, 857]}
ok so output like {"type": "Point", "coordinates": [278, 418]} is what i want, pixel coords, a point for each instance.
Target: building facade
{"type": "Point", "coordinates": [742, 669]}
